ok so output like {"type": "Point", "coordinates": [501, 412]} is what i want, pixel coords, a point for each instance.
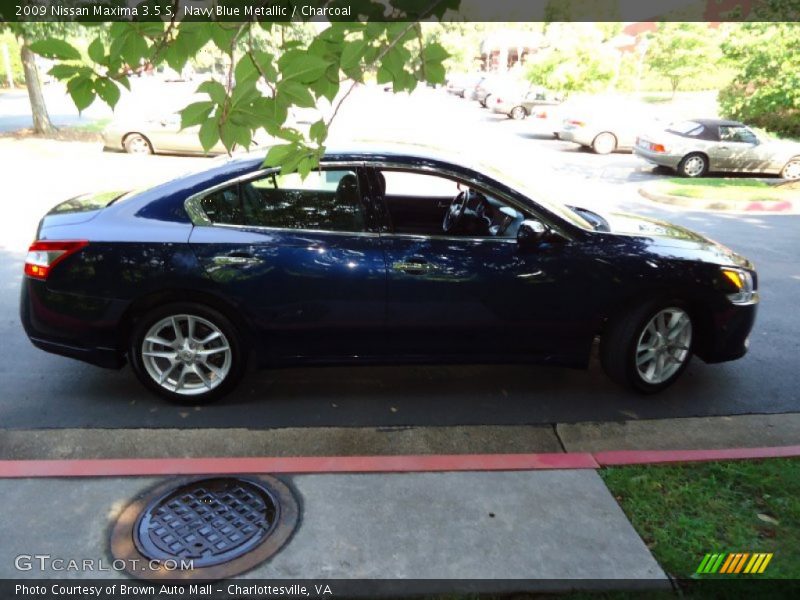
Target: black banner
{"type": "Point", "coordinates": [19, 11]}
{"type": "Point", "coordinates": [129, 589]}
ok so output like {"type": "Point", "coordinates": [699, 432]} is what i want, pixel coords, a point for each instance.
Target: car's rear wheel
{"type": "Point", "coordinates": [693, 165]}
{"type": "Point", "coordinates": [136, 143]}
{"type": "Point", "coordinates": [648, 349]}
{"type": "Point", "coordinates": [791, 170]}
{"type": "Point", "coordinates": [604, 143]}
{"type": "Point", "coordinates": [186, 352]}
{"type": "Point", "coordinates": [518, 113]}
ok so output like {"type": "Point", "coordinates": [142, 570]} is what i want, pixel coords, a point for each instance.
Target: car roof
{"type": "Point", "coordinates": [717, 122]}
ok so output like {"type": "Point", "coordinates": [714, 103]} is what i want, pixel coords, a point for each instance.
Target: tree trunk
{"type": "Point", "coordinates": [41, 120]}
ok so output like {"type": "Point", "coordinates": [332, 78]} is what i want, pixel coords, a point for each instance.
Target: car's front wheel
{"type": "Point", "coordinates": [518, 113]}
{"type": "Point", "coordinates": [136, 143]}
{"type": "Point", "coordinates": [791, 169]}
{"type": "Point", "coordinates": [186, 352]}
{"type": "Point", "coordinates": [648, 348]}
{"type": "Point", "coordinates": [604, 143]}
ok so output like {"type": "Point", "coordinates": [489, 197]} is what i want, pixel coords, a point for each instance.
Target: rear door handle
{"type": "Point", "coordinates": [414, 267]}
{"type": "Point", "coordinates": [237, 258]}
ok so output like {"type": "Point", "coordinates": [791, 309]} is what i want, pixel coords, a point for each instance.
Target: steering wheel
{"type": "Point", "coordinates": [455, 214]}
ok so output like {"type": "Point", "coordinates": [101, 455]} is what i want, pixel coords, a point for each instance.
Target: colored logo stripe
{"type": "Point", "coordinates": [734, 562]}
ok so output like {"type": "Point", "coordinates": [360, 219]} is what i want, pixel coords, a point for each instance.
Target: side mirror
{"type": "Point", "coordinates": [531, 232]}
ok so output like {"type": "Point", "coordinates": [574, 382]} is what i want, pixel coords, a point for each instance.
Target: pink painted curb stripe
{"type": "Point", "coordinates": [129, 467]}
{"type": "Point", "coordinates": [638, 457]}
{"type": "Point", "coordinates": [315, 464]}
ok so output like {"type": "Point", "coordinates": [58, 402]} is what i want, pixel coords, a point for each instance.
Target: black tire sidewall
{"type": "Point", "coordinates": [238, 351]}
{"type": "Point", "coordinates": [624, 334]}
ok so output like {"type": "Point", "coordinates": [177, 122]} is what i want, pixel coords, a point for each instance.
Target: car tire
{"type": "Point", "coordinates": [791, 169]}
{"type": "Point", "coordinates": [136, 143]}
{"type": "Point", "coordinates": [638, 349]}
{"type": "Point", "coordinates": [202, 363]}
{"type": "Point", "coordinates": [518, 113]}
{"type": "Point", "coordinates": [693, 165]}
{"type": "Point", "coordinates": [604, 143]}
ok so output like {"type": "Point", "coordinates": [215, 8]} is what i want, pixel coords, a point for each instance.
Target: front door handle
{"type": "Point", "coordinates": [237, 258]}
{"type": "Point", "coordinates": [414, 267]}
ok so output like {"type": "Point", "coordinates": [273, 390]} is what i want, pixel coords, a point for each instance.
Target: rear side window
{"type": "Point", "coordinates": [687, 128]}
{"type": "Point", "coordinates": [223, 207]}
{"type": "Point", "coordinates": [327, 200]}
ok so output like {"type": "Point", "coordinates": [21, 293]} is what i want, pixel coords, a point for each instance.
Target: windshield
{"type": "Point", "coordinates": [536, 195]}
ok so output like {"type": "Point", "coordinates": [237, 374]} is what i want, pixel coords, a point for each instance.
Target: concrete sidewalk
{"type": "Point", "coordinates": [561, 528]}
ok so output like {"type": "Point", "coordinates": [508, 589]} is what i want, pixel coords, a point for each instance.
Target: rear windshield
{"type": "Point", "coordinates": [687, 128]}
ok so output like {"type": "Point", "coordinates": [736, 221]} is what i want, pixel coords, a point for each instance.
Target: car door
{"type": "Point", "coordinates": [738, 150]}
{"type": "Point", "coordinates": [301, 258]}
{"type": "Point", "coordinates": [482, 296]}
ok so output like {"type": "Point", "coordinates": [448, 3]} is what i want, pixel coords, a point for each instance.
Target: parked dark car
{"type": "Point", "coordinates": [383, 255]}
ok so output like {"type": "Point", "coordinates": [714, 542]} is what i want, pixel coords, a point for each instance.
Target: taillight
{"type": "Point", "coordinates": [657, 148]}
{"type": "Point", "coordinates": [576, 123]}
{"type": "Point", "coordinates": [44, 255]}
{"type": "Point", "coordinates": [541, 115]}
{"type": "Point", "coordinates": [498, 100]}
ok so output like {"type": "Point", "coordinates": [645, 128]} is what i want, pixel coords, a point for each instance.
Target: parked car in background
{"type": "Point", "coordinates": [459, 84]}
{"type": "Point", "coordinates": [498, 84]}
{"type": "Point", "coordinates": [606, 124]}
{"type": "Point", "coordinates": [383, 254]}
{"type": "Point", "coordinates": [700, 146]}
{"type": "Point", "coordinates": [140, 134]}
{"type": "Point", "coordinates": [520, 102]}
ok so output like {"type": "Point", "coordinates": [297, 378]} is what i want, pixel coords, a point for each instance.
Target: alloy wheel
{"type": "Point", "coordinates": [694, 166]}
{"type": "Point", "coordinates": [186, 354]}
{"type": "Point", "coordinates": [136, 144]}
{"type": "Point", "coordinates": [664, 345]}
{"type": "Point", "coordinates": [605, 143]}
{"type": "Point", "coordinates": [518, 113]}
{"type": "Point", "coordinates": [792, 170]}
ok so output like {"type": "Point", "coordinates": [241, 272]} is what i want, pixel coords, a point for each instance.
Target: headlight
{"type": "Point", "coordinates": [742, 282]}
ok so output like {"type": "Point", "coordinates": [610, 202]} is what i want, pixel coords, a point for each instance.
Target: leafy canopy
{"type": "Point", "coordinates": [263, 81]}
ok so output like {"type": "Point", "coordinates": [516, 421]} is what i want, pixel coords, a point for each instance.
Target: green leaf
{"type": "Point", "coordinates": [196, 113]}
{"type": "Point", "coordinates": [232, 135]}
{"type": "Point", "coordinates": [57, 49]}
{"type": "Point", "coordinates": [214, 89]}
{"type": "Point", "coordinates": [296, 93]}
{"type": "Point", "coordinates": [352, 53]}
{"type": "Point", "coordinates": [434, 52]}
{"type": "Point", "coordinates": [245, 71]}
{"type": "Point", "coordinates": [209, 134]}
{"type": "Point", "coordinates": [434, 73]}
{"type": "Point", "coordinates": [97, 51]}
{"type": "Point", "coordinates": [318, 131]}
{"type": "Point", "coordinates": [108, 91]}
{"type": "Point", "coordinates": [278, 154]}
{"type": "Point", "coordinates": [63, 71]}
{"type": "Point", "coordinates": [302, 67]}
{"type": "Point", "coordinates": [82, 92]}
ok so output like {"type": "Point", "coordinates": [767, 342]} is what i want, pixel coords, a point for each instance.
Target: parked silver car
{"type": "Point", "coordinates": [155, 135]}
{"type": "Point", "coordinates": [694, 148]}
{"type": "Point", "coordinates": [521, 102]}
{"type": "Point", "coordinates": [606, 124]}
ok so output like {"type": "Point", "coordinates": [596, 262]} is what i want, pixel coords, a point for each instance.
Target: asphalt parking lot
{"type": "Point", "coordinates": [45, 391]}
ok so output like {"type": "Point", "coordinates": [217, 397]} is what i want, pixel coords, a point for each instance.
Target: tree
{"type": "Point", "coordinates": [766, 88]}
{"type": "Point", "coordinates": [578, 60]}
{"type": "Point", "coordinates": [328, 65]}
{"type": "Point", "coordinates": [680, 51]}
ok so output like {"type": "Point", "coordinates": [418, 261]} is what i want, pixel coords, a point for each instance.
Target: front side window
{"type": "Point", "coordinates": [738, 133]}
{"type": "Point", "coordinates": [328, 200]}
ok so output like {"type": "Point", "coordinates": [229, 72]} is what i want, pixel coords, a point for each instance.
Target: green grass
{"type": "Point", "coordinates": [93, 127]}
{"type": "Point", "coordinates": [683, 512]}
{"type": "Point", "coordinates": [717, 188]}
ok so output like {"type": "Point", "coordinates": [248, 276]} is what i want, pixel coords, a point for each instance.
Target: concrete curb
{"type": "Point", "coordinates": [790, 206]}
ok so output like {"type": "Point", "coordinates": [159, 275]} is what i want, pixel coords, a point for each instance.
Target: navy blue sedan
{"type": "Point", "coordinates": [381, 255]}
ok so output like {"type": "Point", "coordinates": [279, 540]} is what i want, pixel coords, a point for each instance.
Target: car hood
{"type": "Point", "coordinates": [674, 240]}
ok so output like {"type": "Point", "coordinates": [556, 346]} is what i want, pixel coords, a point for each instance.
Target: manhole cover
{"type": "Point", "coordinates": [204, 528]}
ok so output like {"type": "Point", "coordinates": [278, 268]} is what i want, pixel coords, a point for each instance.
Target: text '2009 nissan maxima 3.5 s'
{"type": "Point", "coordinates": [381, 255]}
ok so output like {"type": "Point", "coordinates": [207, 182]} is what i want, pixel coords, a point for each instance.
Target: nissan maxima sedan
{"type": "Point", "coordinates": [383, 255]}
{"type": "Point", "coordinates": [695, 148]}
